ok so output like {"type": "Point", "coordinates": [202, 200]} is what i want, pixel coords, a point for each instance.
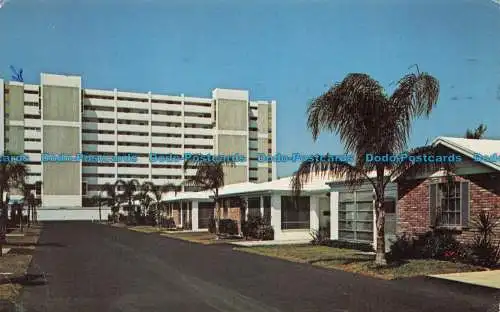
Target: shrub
{"type": "Point", "coordinates": [169, 223]}
{"type": "Point", "coordinates": [483, 250]}
{"type": "Point", "coordinates": [256, 227]}
{"type": "Point", "coordinates": [321, 236]}
{"type": "Point", "coordinates": [228, 226]}
{"type": "Point", "coordinates": [437, 244]}
{"type": "Point", "coordinates": [251, 226]}
{"type": "Point", "coordinates": [265, 232]}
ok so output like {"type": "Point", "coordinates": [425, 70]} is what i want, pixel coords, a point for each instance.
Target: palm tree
{"type": "Point", "coordinates": [209, 177]}
{"type": "Point", "coordinates": [150, 191]}
{"type": "Point", "coordinates": [36, 202]}
{"type": "Point", "coordinates": [128, 192]}
{"type": "Point", "coordinates": [12, 175]}
{"type": "Point", "coordinates": [477, 134]}
{"type": "Point", "coordinates": [369, 121]}
{"type": "Point", "coordinates": [112, 200]}
{"type": "Point", "coordinates": [29, 200]}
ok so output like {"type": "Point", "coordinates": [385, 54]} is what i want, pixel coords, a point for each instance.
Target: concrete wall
{"type": "Point", "coordinates": [61, 134]}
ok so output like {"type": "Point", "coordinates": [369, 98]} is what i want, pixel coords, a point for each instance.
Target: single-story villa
{"type": "Point", "coordinates": [414, 203]}
{"type": "Point", "coordinates": [439, 199]}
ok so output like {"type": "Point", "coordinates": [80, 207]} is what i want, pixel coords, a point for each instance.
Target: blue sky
{"type": "Point", "coordinates": [290, 51]}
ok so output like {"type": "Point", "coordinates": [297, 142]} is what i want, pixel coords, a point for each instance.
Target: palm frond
{"type": "Point", "coordinates": [416, 164]}
{"type": "Point", "coordinates": [353, 175]}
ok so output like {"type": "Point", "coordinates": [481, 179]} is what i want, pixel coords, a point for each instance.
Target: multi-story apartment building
{"type": "Point", "coordinates": [60, 117]}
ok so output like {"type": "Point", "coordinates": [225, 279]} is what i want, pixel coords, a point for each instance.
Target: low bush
{"type": "Point", "coordinates": [257, 228]}
{"type": "Point", "coordinates": [484, 250]}
{"type": "Point", "coordinates": [168, 223]}
{"type": "Point", "coordinates": [228, 226]}
{"type": "Point", "coordinates": [265, 232]}
{"type": "Point", "coordinates": [321, 236]}
{"type": "Point", "coordinates": [437, 244]}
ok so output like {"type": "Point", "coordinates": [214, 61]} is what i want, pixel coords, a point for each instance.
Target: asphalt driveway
{"type": "Point", "coordinates": [91, 267]}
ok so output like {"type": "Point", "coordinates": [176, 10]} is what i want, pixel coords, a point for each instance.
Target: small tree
{"type": "Point", "coordinates": [209, 177]}
{"type": "Point", "coordinates": [128, 193]}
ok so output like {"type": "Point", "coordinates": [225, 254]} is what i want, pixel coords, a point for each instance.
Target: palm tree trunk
{"type": "Point", "coordinates": [29, 215]}
{"type": "Point", "coordinates": [380, 226]}
{"type": "Point", "coordinates": [216, 217]}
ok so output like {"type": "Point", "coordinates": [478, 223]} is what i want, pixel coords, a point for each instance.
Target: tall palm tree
{"type": "Point", "coordinates": [209, 177]}
{"type": "Point", "coordinates": [12, 175]}
{"type": "Point", "coordinates": [128, 192]}
{"type": "Point", "coordinates": [369, 121]}
{"type": "Point", "coordinates": [37, 201]}
{"type": "Point", "coordinates": [29, 200]}
{"type": "Point", "coordinates": [477, 134]}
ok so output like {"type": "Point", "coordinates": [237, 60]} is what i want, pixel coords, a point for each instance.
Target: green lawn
{"type": "Point", "coordinates": [204, 238]}
{"type": "Point", "coordinates": [357, 262]}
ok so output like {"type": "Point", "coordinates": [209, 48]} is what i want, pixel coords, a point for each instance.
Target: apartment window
{"type": "Point", "coordinates": [95, 108]}
{"type": "Point", "coordinates": [33, 140]}
{"type": "Point", "coordinates": [34, 174]}
{"type": "Point", "coordinates": [28, 116]}
{"type": "Point", "coordinates": [31, 104]}
{"type": "Point", "coordinates": [253, 179]}
{"type": "Point", "coordinates": [97, 175]}
{"type": "Point", "coordinates": [165, 102]}
{"type": "Point", "coordinates": [132, 99]}
{"type": "Point", "coordinates": [252, 129]}
{"type": "Point", "coordinates": [295, 213]}
{"type": "Point", "coordinates": [253, 118]}
{"type": "Point", "coordinates": [101, 97]}
{"type": "Point", "coordinates": [132, 110]}
{"type": "Point", "coordinates": [32, 151]}
{"type": "Point", "coordinates": [98, 131]}
{"type": "Point", "coordinates": [449, 204]}
{"type": "Point", "coordinates": [133, 166]}
{"type": "Point", "coordinates": [253, 149]}
{"type": "Point", "coordinates": [97, 164]}
{"type": "Point", "coordinates": [198, 104]}
{"type": "Point", "coordinates": [201, 115]}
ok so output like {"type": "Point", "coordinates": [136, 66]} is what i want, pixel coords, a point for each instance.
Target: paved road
{"type": "Point", "coordinates": [92, 267]}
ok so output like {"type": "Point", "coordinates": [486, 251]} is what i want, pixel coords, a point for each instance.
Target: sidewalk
{"type": "Point", "coordinates": [484, 278]}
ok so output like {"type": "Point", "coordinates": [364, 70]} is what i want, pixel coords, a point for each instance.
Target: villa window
{"type": "Point", "coordinates": [254, 207]}
{"type": "Point", "coordinates": [449, 204]}
{"type": "Point", "coordinates": [295, 213]}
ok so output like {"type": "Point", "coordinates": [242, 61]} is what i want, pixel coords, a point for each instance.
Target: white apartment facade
{"type": "Point", "coordinates": [60, 117]}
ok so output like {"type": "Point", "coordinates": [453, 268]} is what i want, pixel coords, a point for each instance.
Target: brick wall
{"type": "Point", "coordinates": [413, 203]}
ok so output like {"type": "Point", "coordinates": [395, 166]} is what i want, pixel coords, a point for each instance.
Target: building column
{"type": "Point", "coordinates": [334, 215]}
{"type": "Point", "coordinates": [276, 215]}
{"type": "Point", "coordinates": [194, 216]}
{"type": "Point", "coordinates": [314, 213]}
{"type": "Point", "coordinates": [180, 213]}
{"type": "Point", "coordinates": [247, 208]}
{"type": "Point", "coordinates": [261, 206]}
